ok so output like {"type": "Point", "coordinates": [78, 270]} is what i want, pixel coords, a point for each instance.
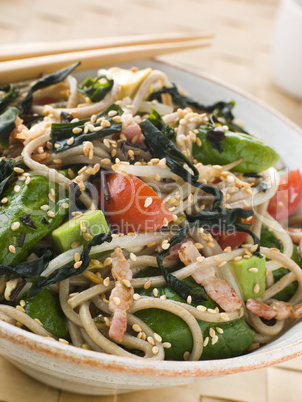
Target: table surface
{"type": "Point", "coordinates": [240, 55]}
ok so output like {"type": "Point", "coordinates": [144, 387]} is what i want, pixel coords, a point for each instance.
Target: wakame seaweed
{"type": "Point", "coordinates": [7, 172]}
{"type": "Point", "coordinates": [44, 82]}
{"type": "Point", "coordinates": [61, 132]}
{"type": "Point", "coordinates": [219, 109]}
{"type": "Point", "coordinates": [96, 89]}
{"type": "Point", "coordinates": [161, 147]}
{"type": "Point", "coordinates": [7, 124]}
{"type": "Point", "coordinates": [10, 92]}
{"type": "Point", "coordinates": [68, 270]}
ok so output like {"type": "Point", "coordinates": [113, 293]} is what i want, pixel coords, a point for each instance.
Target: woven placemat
{"type": "Point", "coordinates": [240, 55]}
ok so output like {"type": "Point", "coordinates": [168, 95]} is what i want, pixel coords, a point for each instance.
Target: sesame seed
{"type": "Point", "coordinates": [57, 145]}
{"type": "Point", "coordinates": [12, 249]}
{"type": "Point", "coordinates": [27, 181]}
{"type": "Point", "coordinates": [163, 297]}
{"type": "Point", "coordinates": [117, 119]}
{"type": "Point", "coordinates": [222, 264]}
{"type": "Point", "coordinates": [167, 345]}
{"type": "Point", "coordinates": [214, 339]}
{"type": "Point", "coordinates": [87, 236]}
{"type": "Point", "coordinates": [44, 207]}
{"type": "Point", "coordinates": [4, 200]}
{"type": "Point", "coordinates": [20, 308]}
{"type": "Point", "coordinates": [239, 258]}
{"type": "Point", "coordinates": [38, 321]}
{"type": "Point", "coordinates": [126, 283]}
{"type": "Point", "coordinates": [211, 332]}
{"type": "Point", "coordinates": [219, 330]}
{"type": "Point", "coordinates": [254, 248]}
{"type": "Point", "coordinates": [186, 355]}
{"type": "Point", "coordinates": [227, 249]}
{"type": "Point", "coordinates": [217, 258]}
{"type": "Point", "coordinates": [136, 296]}
{"type": "Point", "coordinates": [112, 113]}
{"type": "Point", "coordinates": [116, 301]}
{"type": "Point", "coordinates": [15, 226]}
{"type": "Point", "coordinates": [133, 257]}
{"type": "Point", "coordinates": [200, 259]}
{"type": "Point", "coordinates": [224, 317]}
{"type": "Point", "coordinates": [22, 303]}
{"type": "Point", "coordinates": [83, 226]}
{"type": "Point", "coordinates": [150, 244]}
{"type": "Point", "coordinates": [108, 261]}
{"type": "Point", "coordinates": [165, 246]}
{"type": "Point", "coordinates": [51, 214]}
{"type": "Point", "coordinates": [18, 170]}
{"type": "Point", "coordinates": [253, 270]}
{"type": "Point", "coordinates": [211, 244]}
{"type": "Point", "coordinates": [189, 299]}
{"type": "Point", "coordinates": [106, 281]}
{"type": "Point", "coordinates": [70, 141]}
{"type": "Point", "coordinates": [157, 337]}
{"type": "Point", "coordinates": [191, 198]}
{"type": "Point", "coordinates": [73, 294]}
{"type": "Point", "coordinates": [147, 284]}
{"type": "Point", "coordinates": [65, 205]}
{"type": "Point", "coordinates": [75, 244]}
{"type": "Point", "coordinates": [165, 221]}
{"type": "Point", "coordinates": [78, 264]}
{"type": "Point", "coordinates": [148, 202]}
{"type": "Point", "coordinates": [61, 340]}
{"type": "Point", "coordinates": [136, 328]}
{"type": "Point", "coordinates": [206, 341]}
{"type": "Point", "coordinates": [257, 288]}
{"type": "Point", "coordinates": [155, 292]}
{"type": "Point", "coordinates": [211, 311]}
{"type": "Point", "coordinates": [150, 340]}
{"type": "Point", "coordinates": [77, 257]}
{"type": "Point", "coordinates": [77, 130]}
{"type": "Point", "coordinates": [51, 197]}
{"type": "Point", "coordinates": [155, 350]}
{"type": "Point", "coordinates": [106, 161]}
{"type": "Point", "coordinates": [201, 308]}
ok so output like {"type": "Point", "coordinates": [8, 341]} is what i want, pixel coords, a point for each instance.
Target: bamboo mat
{"type": "Point", "coordinates": [241, 56]}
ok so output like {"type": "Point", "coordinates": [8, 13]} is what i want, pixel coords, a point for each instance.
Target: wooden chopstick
{"type": "Point", "coordinates": [36, 49]}
{"type": "Point", "coordinates": [26, 69]}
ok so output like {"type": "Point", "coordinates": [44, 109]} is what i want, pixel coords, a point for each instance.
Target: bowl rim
{"type": "Point", "coordinates": [97, 360]}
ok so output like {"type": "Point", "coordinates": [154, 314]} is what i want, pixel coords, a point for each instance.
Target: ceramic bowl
{"type": "Point", "coordinates": [83, 371]}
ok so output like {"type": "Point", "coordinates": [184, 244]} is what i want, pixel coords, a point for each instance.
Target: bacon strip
{"type": "Point", "coordinates": [218, 289]}
{"type": "Point", "coordinates": [121, 297]}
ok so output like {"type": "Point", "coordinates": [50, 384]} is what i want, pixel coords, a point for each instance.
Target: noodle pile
{"type": "Point", "coordinates": [86, 299]}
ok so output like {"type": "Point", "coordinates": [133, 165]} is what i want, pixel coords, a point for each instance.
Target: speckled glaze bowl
{"type": "Point", "coordinates": [83, 371]}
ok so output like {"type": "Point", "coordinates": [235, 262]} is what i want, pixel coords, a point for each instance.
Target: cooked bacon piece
{"type": "Point", "coordinates": [121, 297]}
{"type": "Point", "coordinates": [277, 309]}
{"type": "Point", "coordinates": [218, 289]}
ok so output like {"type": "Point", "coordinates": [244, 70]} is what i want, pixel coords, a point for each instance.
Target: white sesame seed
{"type": "Point", "coordinates": [106, 281]}
{"type": "Point", "coordinates": [189, 299]}
{"type": "Point", "coordinates": [206, 341]}
{"type": "Point", "coordinates": [15, 226]}
{"type": "Point", "coordinates": [200, 259]}
{"type": "Point", "coordinates": [211, 332]}
{"type": "Point", "coordinates": [253, 270]}
{"type": "Point", "coordinates": [148, 202]}
{"type": "Point", "coordinates": [108, 261]}
{"type": "Point", "coordinates": [157, 337]}
{"type": "Point", "coordinates": [155, 350]}
{"type": "Point", "coordinates": [27, 181]}
{"type": "Point", "coordinates": [136, 328]}
{"type": "Point", "coordinates": [167, 345]}
{"type": "Point", "coordinates": [12, 249]}
{"type": "Point", "coordinates": [163, 297]}
{"type": "Point", "coordinates": [18, 170]}
{"type": "Point", "coordinates": [150, 340]}
{"type": "Point", "coordinates": [116, 301]}
{"type": "Point", "coordinates": [44, 207]}
{"type": "Point", "coordinates": [165, 246]}
{"type": "Point", "coordinates": [65, 205]}
{"type": "Point", "coordinates": [78, 264]}
{"type": "Point", "coordinates": [70, 141]}
{"type": "Point", "coordinates": [51, 214]}
{"type": "Point", "coordinates": [75, 244]}
{"type": "Point", "coordinates": [186, 355]}
{"type": "Point", "coordinates": [38, 321]}
{"type": "Point", "coordinates": [4, 200]}
{"type": "Point", "coordinates": [126, 283]}
{"type": "Point", "coordinates": [219, 330]}
{"type": "Point", "coordinates": [136, 296]}
{"type": "Point", "coordinates": [155, 292]}
{"type": "Point", "coordinates": [254, 248]}
{"type": "Point", "coordinates": [61, 340]}
{"type": "Point", "coordinates": [201, 308]}
{"type": "Point", "coordinates": [239, 258]}
{"type": "Point", "coordinates": [77, 130]}
{"type": "Point", "coordinates": [133, 257]}
{"type": "Point", "coordinates": [222, 264]}
{"type": "Point", "coordinates": [257, 288]}
{"type": "Point", "coordinates": [147, 284]}
{"type": "Point", "coordinates": [214, 339]}
{"type": "Point", "coordinates": [211, 311]}
{"type": "Point", "coordinates": [225, 317]}
{"type": "Point", "coordinates": [112, 113]}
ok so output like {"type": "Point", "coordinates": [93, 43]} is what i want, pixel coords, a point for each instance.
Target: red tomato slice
{"type": "Point", "coordinates": [288, 197]}
{"type": "Point", "coordinates": [232, 239]}
{"type": "Point", "coordinates": [134, 206]}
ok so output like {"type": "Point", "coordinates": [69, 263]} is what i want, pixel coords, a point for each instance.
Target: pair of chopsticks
{"type": "Point", "coordinates": [28, 61]}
